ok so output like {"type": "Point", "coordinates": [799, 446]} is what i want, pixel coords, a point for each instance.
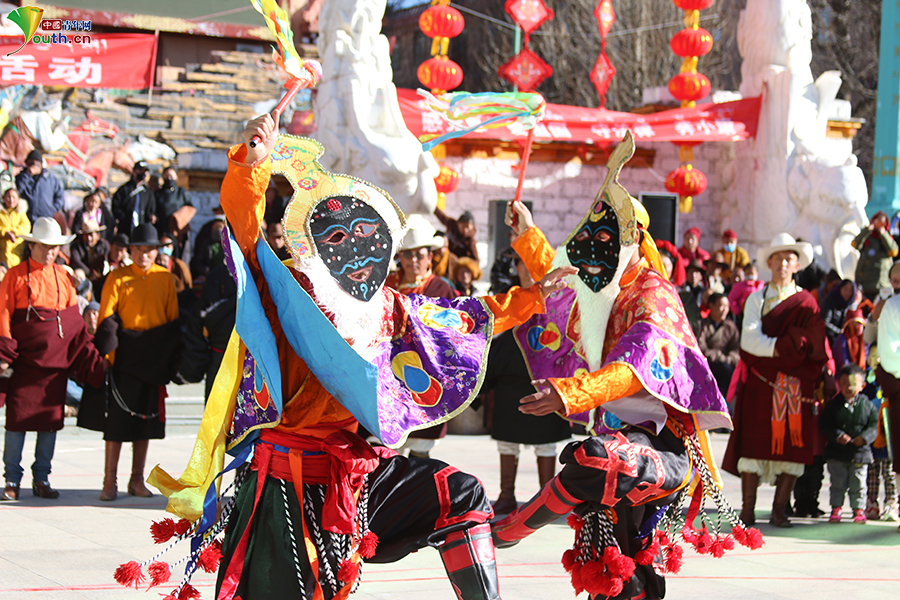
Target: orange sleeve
{"type": "Point", "coordinates": [7, 304]}
{"type": "Point", "coordinates": [536, 252]}
{"type": "Point", "coordinates": [514, 307]}
{"type": "Point", "coordinates": [243, 198]}
{"type": "Point", "coordinates": [590, 390]}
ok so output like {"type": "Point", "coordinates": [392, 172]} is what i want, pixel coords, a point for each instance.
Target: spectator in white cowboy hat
{"type": "Point", "coordinates": [88, 246]}
{"type": "Point", "coordinates": [415, 275]}
{"type": "Point", "coordinates": [37, 306]}
{"type": "Point", "coordinates": [142, 296]}
{"type": "Point", "coordinates": [783, 352]}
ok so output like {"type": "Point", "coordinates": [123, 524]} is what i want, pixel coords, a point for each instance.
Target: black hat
{"type": "Point", "coordinates": [467, 216]}
{"type": "Point", "coordinates": [120, 240]}
{"type": "Point", "coordinates": [141, 164]}
{"type": "Point", "coordinates": [144, 235]}
{"type": "Point", "coordinates": [34, 155]}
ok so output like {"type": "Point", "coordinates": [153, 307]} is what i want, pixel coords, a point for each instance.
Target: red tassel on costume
{"type": "Point", "coordinates": [368, 544]}
{"type": "Point", "coordinates": [750, 538]}
{"type": "Point", "coordinates": [646, 556]}
{"type": "Point", "coordinates": [188, 592]}
{"type": "Point", "coordinates": [577, 581]}
{"type": "Point", "coordinates": [704, 542]}
{"type": "Point", "coordinates": [674, 558]}
{"type": "Point", "coordinates": [575, 522]}
{"type": "Point", "coordinates": [209, 557]}
{"type": "Point", "coordinates": [159, 573]}
{"type": "Point", "coordinates": [130, 574]}
{"type": "Point", "coordinates": [348, 572]}
{"type": "Point", "coordinates": [568, 559]}
{"type": "Point", "coordinates": [162, 531]}
{"type": "Point", "coordinates": [690, 535]}
{"type": "Point", "coordinates": [182, 526]}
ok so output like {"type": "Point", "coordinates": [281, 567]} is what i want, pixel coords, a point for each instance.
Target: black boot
{"type": "Point", "coordinates": [469, 560]}
{"type": "Point", "coordinates": [784, 485]}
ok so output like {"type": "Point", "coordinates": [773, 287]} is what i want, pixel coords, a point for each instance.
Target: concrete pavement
{"type": "Point", "coordinates": [68, 548]}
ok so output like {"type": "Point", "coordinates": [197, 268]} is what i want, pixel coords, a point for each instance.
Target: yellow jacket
{"type": "Point", "coordinates": [12, 252]}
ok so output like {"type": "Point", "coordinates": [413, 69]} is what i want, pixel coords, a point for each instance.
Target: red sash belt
{"type": "Point", "coordinates": [325, 454]}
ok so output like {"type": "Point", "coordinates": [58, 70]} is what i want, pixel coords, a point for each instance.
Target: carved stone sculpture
{"type": "Point", "coordinates": [789, 178]}
{"type": "Point", "coordinates": [357, 111]}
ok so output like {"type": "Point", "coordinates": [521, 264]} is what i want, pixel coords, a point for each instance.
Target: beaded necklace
{"type": "Point", "coordinates": [31, 308]}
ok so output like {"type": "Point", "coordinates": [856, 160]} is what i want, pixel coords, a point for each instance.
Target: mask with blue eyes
{"type": "Point", "coordinates": [353, 242]}
{"type": "Point", "coordinates": [594, 250]}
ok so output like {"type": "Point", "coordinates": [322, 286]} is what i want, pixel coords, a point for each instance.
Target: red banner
{"type": "Point", "coordinates": [724, 122]}
{"type": "Point", "coordinates": [107, 60]}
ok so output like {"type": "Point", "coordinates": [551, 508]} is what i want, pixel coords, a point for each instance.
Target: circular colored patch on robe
{"type": "Point", "coordinates": [424, 389]}
{"type": "Point", "coordinates": [662, 367]}
{"type": "Point", "coordinates": [260, 389]}
{"type": "Point", "coordinates": [438, 317]}
{"type": "Point", "coordinates": [542, 337]}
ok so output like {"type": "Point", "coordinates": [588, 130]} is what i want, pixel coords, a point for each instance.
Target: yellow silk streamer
{"type": "Point", "coordinates": [186, 494]}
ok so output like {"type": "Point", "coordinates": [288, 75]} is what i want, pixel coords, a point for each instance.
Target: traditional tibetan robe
{"type": "Point", "coordinates": [43, 338]}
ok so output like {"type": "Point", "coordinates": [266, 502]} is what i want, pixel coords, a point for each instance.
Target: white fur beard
{"type": "Point", "coordinates": [594, 307]}
{"type": "Point", "coordinates": [356, 321]}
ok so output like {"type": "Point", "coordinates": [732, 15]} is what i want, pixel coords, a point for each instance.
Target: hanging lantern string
{"type": "Point", "coordinates": [300, 73]}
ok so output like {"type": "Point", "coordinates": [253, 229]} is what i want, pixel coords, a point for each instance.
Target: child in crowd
{"type": "Point", "coordinates": [849, 423]}
{"type": "Point", "coordinates": [880, 468]}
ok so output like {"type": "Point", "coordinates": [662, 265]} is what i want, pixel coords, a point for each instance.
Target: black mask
{"type": "Point", "coordinates": [353, 242]}
{"type": "Point", "coordinates": [594, 249]}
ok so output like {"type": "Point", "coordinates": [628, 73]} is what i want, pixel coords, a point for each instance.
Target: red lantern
{"type": "Point", "coordinates": [440, 73]}
{"type": "Point", "coordinates": [686, 181]}
{"type": "Point", "coordinates": [693, 4]}
{"type": "Point", "coordinates": [447, 180]}
{"type": "Point", "coordinates": [441, 22]}
{"type": "Point", "coordinates": [690, 87]}
{"type": "Point", "coordinates": [526, 70]}
{"type": "Point", "coordinates": [691, 42]}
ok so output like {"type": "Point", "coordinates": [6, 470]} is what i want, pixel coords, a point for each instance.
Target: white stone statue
{"type": "Point", "coordinates": [791, 177]}
{"type": "Point", "coordinates": [357, 112]}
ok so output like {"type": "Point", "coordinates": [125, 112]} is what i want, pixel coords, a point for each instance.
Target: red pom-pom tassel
{"type": "Point", "coordinates": [182, 526]}
{"type": "Point", "coordinates": [348, 572]}
{"type": "Point", "coordinates": [368, 544]}
{"type": "Point", "coordinates": [646, 556]}
{"type": "Point", "coordinates": [575, 522]}
{"type": "Point", "coordinates": [159, 573]}
{"type": "Point", "coordinates": [162, 531]}
{"type": "Point", "coordinates": [568, 559]}
{"type": "Point", "coordinates": [130, 574]}
{"type": "Point", "coordinates": [188, 592]}
{"type": "Point", "coordinates": [754, 539]}
{"type": "Point", "coordinates": [209, 557]}
{"type": "Point", "coordinates": [577, 581]}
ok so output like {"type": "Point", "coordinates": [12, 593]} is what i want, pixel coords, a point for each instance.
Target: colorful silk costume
{"type": "Point", "coordinates": [317, 499]}
{"type": "Point", "coordinates": [647, 399]}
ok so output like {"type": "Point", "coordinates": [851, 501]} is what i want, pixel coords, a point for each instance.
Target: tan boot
{"type": "Point", "coordinates": [136, 485]}
{"type": "Point", "coordinates": [506, 502]}
{"type": "Point", "coordinates": [546, 469]}
{"type": "Point", "coordinates": [749, 485]}
{"type": "Point", "coordinates": [110, 487]}
{"type": "Point", "coordinates": [784, 485]}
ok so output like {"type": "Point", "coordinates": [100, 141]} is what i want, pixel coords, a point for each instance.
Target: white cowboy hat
{"type": "Point", "coordinates": [90, 227]}
{"type": "Point", "coordinates": [785, 242]}
{"type": "Point", "coordinates": [421, 234]}
{"type": "Point", "coordinates": [46, 231]}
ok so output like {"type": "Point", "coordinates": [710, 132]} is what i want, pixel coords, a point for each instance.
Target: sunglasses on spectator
{"type": "Point", "coordinates": [421, 254]}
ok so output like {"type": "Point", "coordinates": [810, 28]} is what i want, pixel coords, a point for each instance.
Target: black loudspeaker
{"type": "Point", "coordinates": [663, 210]}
